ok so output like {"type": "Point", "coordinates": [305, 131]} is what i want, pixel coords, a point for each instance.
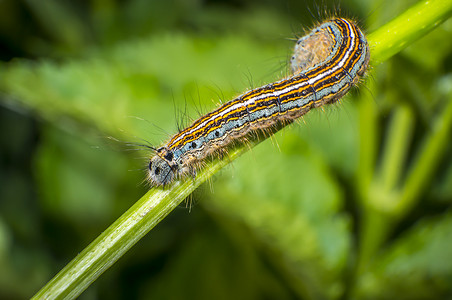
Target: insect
{"type": "Point", "coordinates": [327, 62]}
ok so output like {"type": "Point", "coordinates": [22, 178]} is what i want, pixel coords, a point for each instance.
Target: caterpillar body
{"type": "Point", "coordinates": [327, 62]}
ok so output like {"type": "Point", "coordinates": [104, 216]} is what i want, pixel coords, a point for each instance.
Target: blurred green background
{"type": "Point", "coordinates": [340, 206]}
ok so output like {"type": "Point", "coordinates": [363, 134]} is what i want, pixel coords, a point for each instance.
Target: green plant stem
{"type": "Point", "coordinates": [383, 203]}
{"type": "Point", "coordinates": [157, 203]}
{"type": "Point", "coordinates": [386, 203]}
{"type": "Point", "coordinates": [381, 196]}
{"type": "Point", "coordinates": [396, 149]}
{"type": "Point", "coordinates": [427, 161]}
{"type": "Point", "coordinates": [368, 132]}
{"type": "Point", "coordinates": [123, 234]}
{"type": "Point", "coordinates": [411, 25]}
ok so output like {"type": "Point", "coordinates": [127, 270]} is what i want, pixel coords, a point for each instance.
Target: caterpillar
{"type": "Point", "coordinates": [327, 62]}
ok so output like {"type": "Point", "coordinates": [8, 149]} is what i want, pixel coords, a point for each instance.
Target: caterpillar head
{"type": "Point", "coordinates": [162, 169]}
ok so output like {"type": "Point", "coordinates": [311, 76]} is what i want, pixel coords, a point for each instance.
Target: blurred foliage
{"type": "Point", "coordinates": [289, 220]}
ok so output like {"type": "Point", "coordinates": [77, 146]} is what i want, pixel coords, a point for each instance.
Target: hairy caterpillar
{"type": "Point", "coordinates": [326, 63]}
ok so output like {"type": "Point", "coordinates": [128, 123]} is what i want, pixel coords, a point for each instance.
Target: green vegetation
{"type": "Point", "coordinates": [354, 202]}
